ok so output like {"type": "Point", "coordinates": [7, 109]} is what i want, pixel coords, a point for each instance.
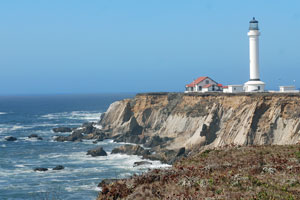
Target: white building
{"type": "Point", "coordinates": [288, 89]}
{"type": "Point", "coordinates": [233, 89]}
{"type": "Point", "coordinates": [203, 84]}
{"type": "Point", "coordinates": [254, 84]}
{"type": "Point", "coordinates": [212, 88]}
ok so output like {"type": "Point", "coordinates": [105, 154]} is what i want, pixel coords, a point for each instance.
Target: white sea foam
{"type": "Point", "coordinates": [119, 161]}
{"type": "Point", "coordinates": [19, 165]}
{"type": "Point", "coordinates": [53, 155]}
{"type": "Point", "coordinates": [5, 128]}
{"type": "Point", "coordinates": [82, 187]}
{"type": "Point", "coordinates": [33, 139]}
{"type": "Point", "coordinates": [19, 171]}
{"type": "Point", "coordinates": [3, 145]}
{"type": "Point", "coordinates": [97, 126]}
{"type": "Point", "coordinates": [3, 113]}
{"type": "Point", "coordinates": [81, 115]}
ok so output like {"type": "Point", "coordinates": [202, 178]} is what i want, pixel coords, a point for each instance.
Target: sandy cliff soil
{"type": "Point", "coordinates": [190, 120]}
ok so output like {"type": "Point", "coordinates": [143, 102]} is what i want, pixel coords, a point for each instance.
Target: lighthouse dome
{"type": "Point", "coordinates": [253, 24]}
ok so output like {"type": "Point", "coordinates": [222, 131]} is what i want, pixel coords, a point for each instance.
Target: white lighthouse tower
{"type": "Point", "coordinates": [254, 84]}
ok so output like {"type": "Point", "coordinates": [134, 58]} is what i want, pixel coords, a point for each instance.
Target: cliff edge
{"type": "Point", "coordinates": [172, 121]}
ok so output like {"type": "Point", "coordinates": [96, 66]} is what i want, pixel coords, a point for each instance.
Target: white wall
{"type": "Point", "coordinates": [235, 88]}
{"type": "Point", "coordinates": [205, 82]}
{"type": "Point", "coordinates": [286, 88]}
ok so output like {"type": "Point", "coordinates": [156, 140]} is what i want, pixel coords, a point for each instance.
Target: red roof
{"type": "Point", "coordinates": [220, 85]}
{"type": "Point", "coordinates": [207, 86]}
{"type": "Point", "coordinates": [198, 80]}
{"type": "Point", "coordinates": [225, 86]}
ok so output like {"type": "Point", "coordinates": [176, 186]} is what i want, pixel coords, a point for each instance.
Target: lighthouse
{"type": "Point", "coordinates": [254, 84]}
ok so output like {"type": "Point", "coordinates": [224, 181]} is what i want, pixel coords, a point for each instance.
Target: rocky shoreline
{"type": "Point", "coordinates": [147, 149]}
{"type": "Point", "coordinates": [171, 127]}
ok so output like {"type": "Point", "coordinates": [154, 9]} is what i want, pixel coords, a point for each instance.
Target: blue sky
{"type": "Point", "coordinates": [72, 46]}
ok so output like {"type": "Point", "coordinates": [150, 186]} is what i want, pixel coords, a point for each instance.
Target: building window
{"type": "Point", "coordinates": [258, 87]}
{"type": "Point", "coordinates": [200, 88]}
{"type": "Point", "coordinates": [234, 88]}
{"type": "Point", "coordinates": [192, 89]}
{"type": "Point", "coordinates": [207, 82]}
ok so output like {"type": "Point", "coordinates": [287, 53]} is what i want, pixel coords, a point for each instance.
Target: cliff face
{"type": "Point", "coordinates": [189, 120]}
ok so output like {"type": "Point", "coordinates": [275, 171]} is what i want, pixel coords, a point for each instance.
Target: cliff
{"type": "Point", "coordinates": [219, 145]}
{"type": "Point", "coordinates": [179, 120]}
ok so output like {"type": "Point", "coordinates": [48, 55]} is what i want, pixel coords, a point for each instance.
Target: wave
{"type": "Point", "coordinates": [120, 161]}
{"type": "Point", "coordinates": [97, 126]}
{"type": "Point", "coordinates": [5, 128]}
{"type": "Point", "coordinates": [52, 155]}
{"type": "Point", "coordinates": [18, 171]}
{"type": "Point", "coordinates": [79, 115]}
{"type": "Point", "coordinates": [20, 166]}
{"type": "Point", "coordinates": [3, 113]}
{"type": "Point", "coordinates": [83, 187]}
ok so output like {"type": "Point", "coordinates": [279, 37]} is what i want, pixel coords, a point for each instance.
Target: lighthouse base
{"type": "Point", "coordinates": [254, 86]}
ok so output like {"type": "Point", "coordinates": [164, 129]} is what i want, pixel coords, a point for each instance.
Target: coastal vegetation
{"type": "Point", "coordinates": [233, 172]}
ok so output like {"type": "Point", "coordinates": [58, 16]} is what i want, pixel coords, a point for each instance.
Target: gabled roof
{"type": "Point", "coordinates": [198, 80]}
{"type": "Point", "coordinates": [207, 86]}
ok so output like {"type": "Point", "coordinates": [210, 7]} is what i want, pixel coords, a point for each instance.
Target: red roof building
{"type": "Point", "coordinates": [203, 84]}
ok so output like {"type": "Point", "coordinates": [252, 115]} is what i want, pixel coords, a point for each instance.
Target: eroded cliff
{"type": "Point", "coordinates": [179, 120]}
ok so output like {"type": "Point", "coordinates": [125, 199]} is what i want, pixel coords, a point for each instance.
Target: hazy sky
{"type": "Point", "coordinates": [95, 46]}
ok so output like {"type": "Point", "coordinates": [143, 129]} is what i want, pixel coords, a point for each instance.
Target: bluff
{"type": "Point", "coordinates": [171, 121]}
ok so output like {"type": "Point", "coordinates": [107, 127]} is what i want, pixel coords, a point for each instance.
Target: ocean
{"type": "Point", "coordinates": [21, 116]}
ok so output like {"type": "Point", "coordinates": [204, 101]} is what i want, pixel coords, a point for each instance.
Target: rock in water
{"type": "Point", "coordinates": [135, 164]}
{"type": "Point", "coordinates": [62, 129]}
{"type": "Point", "coordinates": [74, 137]}
{"type": "Point", "coordinates": [98, 151]}
{"type": "Point", "coordinates": [58, 167]}
{"type": "Point", "coordinates": [10, 138]}
{"type": "Point", "coordinates": [131, 150]}
{"type": "Point", "coordinates": [39, 138]}
{"type": "Point", "coordinates": [35, 136]}
{"type": "Point", "coordinates": [40, 169]}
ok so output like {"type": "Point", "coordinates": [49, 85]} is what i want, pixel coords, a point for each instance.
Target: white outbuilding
{"type": "Point", "coordinates": [233, 89]}
{"type": "Point", "coordinates": [288, 89]}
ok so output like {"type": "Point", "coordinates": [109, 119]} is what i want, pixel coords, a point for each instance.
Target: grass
{"type": "Point", "coordinates": [255, 172]}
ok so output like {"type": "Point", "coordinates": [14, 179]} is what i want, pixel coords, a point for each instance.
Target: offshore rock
{"type": "Point", "coordinates": [86, 131]}
{"type": "Point", "coordinates": [58, 167]}
{"type": "Point", "coordinates": [40, 169]}
{"type": "Point", "coordinates": [10, 138]}
{"type": "Point", "coordinates": [74, 137]}
{"type": "Point", "coordinates": [98, 151]}
{"type": "Point", "coordinates": [35, 136]}
{"type": "Point", "coordinates": [62, 129]}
